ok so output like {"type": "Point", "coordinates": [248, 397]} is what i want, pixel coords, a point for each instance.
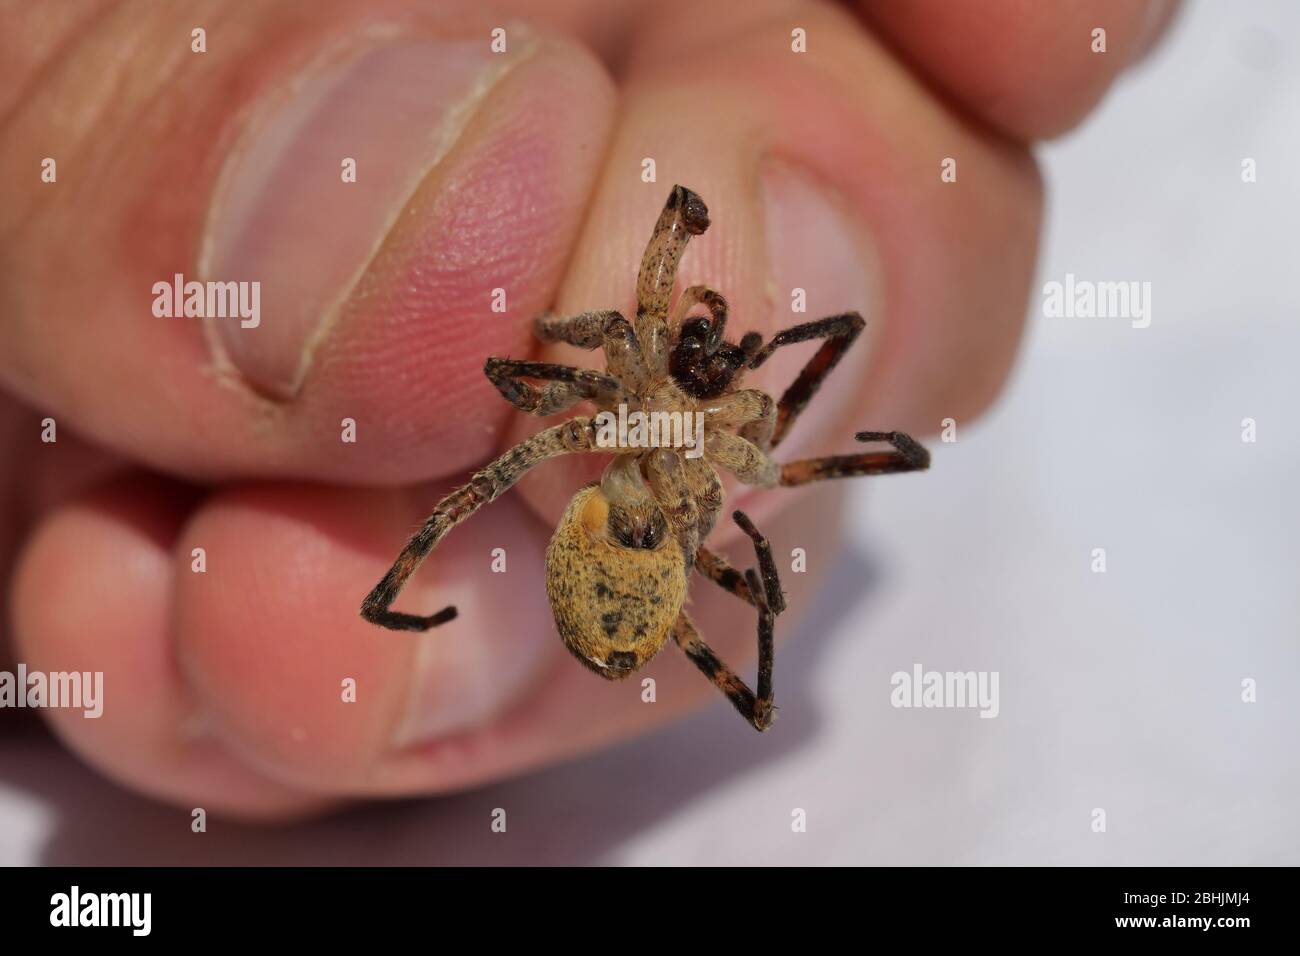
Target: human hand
{"type": "Point", "coordinates": [475, 171]}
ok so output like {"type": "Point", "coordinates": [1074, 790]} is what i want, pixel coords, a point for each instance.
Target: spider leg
{"type": "Point", "coordinates": [744, 406]}
{"type": "Point", "coordinates": [575, 435]}
{"type": "Point", "coordinates": [592, 330]}
{"type": "Point", "coordinates": [839, 331]}
{"type": "Point", "coordinates": [567, 385]}
{"type": "Point", "coordinates": [673, 494]}
{"type": "Point", "coordinates": [623, 358]}
{"type": "Point", "coordinates": [707, 491]}
{"type": "Point", "coordinates": [711, 300]}
{"type": "Point", "coordinates": [742, 458]}
{"type": "Point", "coordinates": [774, 596]}
{"type": "Point", "coordinates": [719, 570]}
{"type": "Point", "coordinates": [756, 709]}
{"type": "Point", "coordinates": [586, 331]}
{"type": "Point", "coordinates": [907, 455]}
{"type": "Point", "coordinates": [765, 594]}
{"type": "Point", "coordinates": [752, 409]}
{"type": "Point", "coordinates": [683, 216]}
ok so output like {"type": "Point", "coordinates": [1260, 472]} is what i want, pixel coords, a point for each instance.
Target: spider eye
{"type": "Point", "coordinates": [639, 531]}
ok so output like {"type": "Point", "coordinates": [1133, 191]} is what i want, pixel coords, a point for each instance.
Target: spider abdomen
{"type": "Point", "coordinates": [614, 605]}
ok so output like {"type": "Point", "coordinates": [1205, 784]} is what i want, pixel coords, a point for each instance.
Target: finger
{"type": "Point", "coordinates": [238, 675]}
{"type": "Point", "coordinates": [92, 594]}
{"type": "Point", "coordinates": [1032, 70]}
{"type": "Point", "coordinates": [570, 711]}
{"type": "Point", "coordinates": [375, 296]}
{"type": "Point", "coordinates": [54, 467]}
{"type": "Point", "coordinates": [490, 694]}
{"type": "Point", "coordinates": [334, 694]}
{"type": "Point", "coordinates": [253, 688]}
{"type": "Point", "coordinates": [815, 183]}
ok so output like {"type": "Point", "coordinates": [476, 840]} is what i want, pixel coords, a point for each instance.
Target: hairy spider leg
{"type": "Point", "coordinates": [683, 216]}
{"type": "Point", "coordinates": [575, 435]}
{"type": "Point", "coordinates": [907, 455]}
{"type": "Point", "coordinates": [585, 330]}
{"type": "Point", "coordinates": [711, 300]}
{"type": "Point", "coordinates": [719, 570]}
{"type": "Point", "coordinates": [623, 359]}
{"type": "Point", "coordinates": [839, 332]}
{"type": "Point", "coordinates": [765, 591]}
{"type": "Point", "coordinates": [673, 494]}
{"type": "Point", "coordinates": [566, 385]}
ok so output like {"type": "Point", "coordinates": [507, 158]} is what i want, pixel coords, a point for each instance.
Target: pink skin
{"type": "Point", "coordinates": [228, 683]}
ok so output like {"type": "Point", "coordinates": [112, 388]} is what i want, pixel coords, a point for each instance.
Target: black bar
{"type": "Point", "coordinates": [326, 906]}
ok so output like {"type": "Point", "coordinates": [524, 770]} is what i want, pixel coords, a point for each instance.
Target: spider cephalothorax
{"type": "Point", "coordinates": [619, 563]}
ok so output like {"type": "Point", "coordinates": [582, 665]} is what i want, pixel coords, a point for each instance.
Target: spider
{"type": "Point", "coordinates": [618, 565]}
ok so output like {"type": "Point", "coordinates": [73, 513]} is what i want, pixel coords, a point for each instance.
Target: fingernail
{"type": "Point", "coordinates": [821, 259]}
{"type": "Point", "coordinates": [456, 685]}
{"type": "Point", "coordinates": [289, 214]}
{"type": "Point", "coordinates": [467, 672]}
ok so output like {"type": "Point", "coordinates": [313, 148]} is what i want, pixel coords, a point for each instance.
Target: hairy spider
{"type": "Point", "coordinates": [620, 560]}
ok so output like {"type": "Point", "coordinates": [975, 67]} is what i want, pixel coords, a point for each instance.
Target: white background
{"type": "Point", "coordinates": [1119, 690]}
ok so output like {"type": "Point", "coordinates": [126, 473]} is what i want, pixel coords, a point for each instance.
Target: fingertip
{"type": "Point", "coordinates": [302, 687]}
{"type": "Point", "coordinates": [1032, 70]}
{"type": "Point", "coordinates": [426, 270]}
{"type": "Point", "coordinates": [92, 593]}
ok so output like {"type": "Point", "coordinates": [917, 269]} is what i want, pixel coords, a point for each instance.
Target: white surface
{"type": "Point", "coordinates": [1118, 690]}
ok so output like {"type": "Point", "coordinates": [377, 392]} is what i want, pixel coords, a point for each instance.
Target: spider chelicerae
{"type": "Point", "coordinates": [619, 563]}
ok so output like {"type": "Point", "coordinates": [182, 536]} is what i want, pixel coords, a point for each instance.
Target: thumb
{"type": "Point", "coordinates": [351, 181]}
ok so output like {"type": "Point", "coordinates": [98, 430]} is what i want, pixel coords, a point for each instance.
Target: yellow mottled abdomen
{"type": "Point", "coordinates": [614, 606]}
